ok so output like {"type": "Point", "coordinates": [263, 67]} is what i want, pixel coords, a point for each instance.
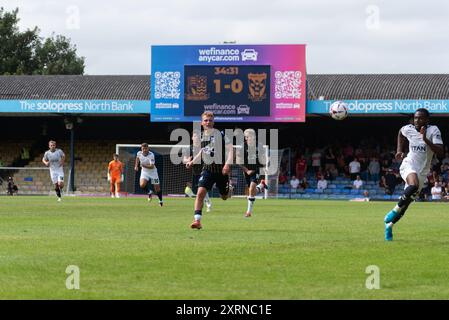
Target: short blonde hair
{"type": "Point", "coordinates": [207, 114]}
{"type": "Point", "coordinates": [249, 132]}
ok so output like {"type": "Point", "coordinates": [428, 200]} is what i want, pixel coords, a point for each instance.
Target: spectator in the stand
{"type": "Point", "coordinates": [374, 169]}
{"type": "Point", "coordinates": [386, 159]}
{"type": "Point", "coordinates": [304, 184]}
{"type": "Point", "coordinates": [1, 163]}
{"type": "Point", "coordinates": [395, 165]}
{"type": "Point", "coordinates": [436, 164]}
{"type": "Point", "coordinates": [384, 166]}
{"type": "Point", "coordinates": [341, 165]}
{"type": "Point", "coordinates": [319, 174]}
{"type": "Point", "coordinates": [282, 178]}
{"type": "Point", "coordinates": [437, 191]}
{"type": "Point", "coordinates": [363, 168]}
{"type": "Point", "coordinates": [328, 175]}
{"type": "Point", "coordinates": [426, 191]}
{"type": "Point", "coordinates": [348, 152]}
{"type": "Point", "coordinates": [322, 184]}
{"type": "Point", "coordinates": [330, 161]}
{"type": "Point", "coordinates": [294, 182]}
{"type": "Point", "coordinates": [390, 181]}
{"type": "Point", "coordinates": [301, 167]}
{"type": "Point", "coordinates": [445, 172]}
{"type": "Point", "coordinates": [308, 157]}
{"type": "Point", "coordinates": [432, 177]}
{"type": "Point", "coordinates": [358, 182]}
{"type": "Point", "coordinates": [358, 153]}
{"type": "Point", "coordinates": [354, 169]}
{"type": "Point", "coordinates": [316, 160]}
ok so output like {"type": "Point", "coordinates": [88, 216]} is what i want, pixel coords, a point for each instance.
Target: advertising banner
{"type": "Point", "coordinates": [238, 83]}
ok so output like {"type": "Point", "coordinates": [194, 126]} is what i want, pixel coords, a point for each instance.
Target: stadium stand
{"type": "Point", "coordinates": [92, 156]}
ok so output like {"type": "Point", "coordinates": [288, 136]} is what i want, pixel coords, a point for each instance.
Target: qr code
{"type": "Point", "coordinates": [287, 84]}
{"type": "Point", "coordinates": [167, 85]}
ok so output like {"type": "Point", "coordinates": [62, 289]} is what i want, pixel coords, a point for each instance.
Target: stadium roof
{"type": "Point", "coordinates": [75, 87]}
{"type": "Point", "coordinates": [324, 86]}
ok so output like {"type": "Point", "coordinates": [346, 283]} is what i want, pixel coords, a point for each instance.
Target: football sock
{"type": "Point", "coordinates": [159, 195]}
{"type": "Point", "coordinates": [250, 204]}
{"type": "Point", "coordinates": [58, 191]}
{"type": "Point", "coordinates": [407, 197]}
{"type": "Point", "coordinates": [197, 215]}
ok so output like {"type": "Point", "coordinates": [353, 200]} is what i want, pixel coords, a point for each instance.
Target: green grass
{"type": "Point", "coordinates": [290, 249]}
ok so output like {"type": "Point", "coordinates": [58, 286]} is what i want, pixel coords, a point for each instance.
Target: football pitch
{"type": "Point", "coordinates": [290, 249]}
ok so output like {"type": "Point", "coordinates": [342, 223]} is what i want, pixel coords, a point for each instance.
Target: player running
{"type": "Point", "coordinates": [115, 175]}
{"type": "Point", "coordinates": [250, 159]}
{"type": "Point", "coordinates": [54, 158]}
{"type": "Point", "coordinates": [197, 168]}
{"type": "Point", "coordinates": [424, 141]}
{"type": "Point", "coordinates": [145, 158]}
{"type": "Point", "coordinates": [213, 171]}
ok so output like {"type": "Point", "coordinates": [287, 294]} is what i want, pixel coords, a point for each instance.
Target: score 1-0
{"type": "Point", "coordinates": [236, 85]}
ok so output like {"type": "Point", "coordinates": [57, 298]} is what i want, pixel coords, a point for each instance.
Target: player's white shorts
{"type": "Point", "coordinates": [153, 177]}
{"type": "Point", "coordinates": [57, 176]}
{"type": "Point", "coordinates": [406, 169]}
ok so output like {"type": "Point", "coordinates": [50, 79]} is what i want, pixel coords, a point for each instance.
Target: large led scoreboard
{"type": "Point", "coordinates": [238, 83]}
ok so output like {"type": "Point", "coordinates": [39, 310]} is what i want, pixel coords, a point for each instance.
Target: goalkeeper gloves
{"type": "Point", "coordinates": [121, 178]}
{"type": "Point", "coordinates": [109, 177]}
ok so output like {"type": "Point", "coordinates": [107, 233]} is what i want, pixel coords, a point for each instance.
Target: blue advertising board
{"type": "Point", "coordinates": [380, 106]}
{"type": "Point", "coordinates": [76, 106]}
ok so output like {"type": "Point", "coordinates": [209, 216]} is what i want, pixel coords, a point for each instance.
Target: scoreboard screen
{"type": "Point", "coordinates": [238, 83]}
{"type": "Point", "coordinates": [227, 90]}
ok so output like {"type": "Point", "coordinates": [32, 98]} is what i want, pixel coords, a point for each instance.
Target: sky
{"type": "Point", "coordinates": [342, 36]}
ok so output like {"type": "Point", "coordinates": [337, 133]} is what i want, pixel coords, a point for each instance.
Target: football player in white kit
{"type": "Point", "coordinates": [424, 141]}
{"type": "Point", "coordinates": [145, 158]}
{"type": "Point", "coordinates": [54, 158]}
